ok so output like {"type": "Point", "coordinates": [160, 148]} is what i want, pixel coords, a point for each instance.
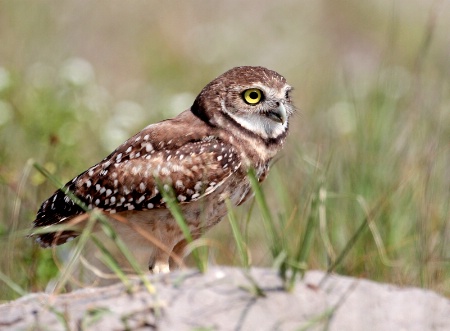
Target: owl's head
{"type": "Point", "coordinates": [255, 98]}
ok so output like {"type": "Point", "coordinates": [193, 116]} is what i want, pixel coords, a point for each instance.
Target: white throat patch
{"type": "Point", "coordinates": [260, 125]}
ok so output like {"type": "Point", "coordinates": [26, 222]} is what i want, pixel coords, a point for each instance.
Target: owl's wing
{"type": "Point", "coordinates": [131, 177]}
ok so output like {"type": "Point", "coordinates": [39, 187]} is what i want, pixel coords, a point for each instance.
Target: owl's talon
{"type": "Point", "coordinates": [160, 268]}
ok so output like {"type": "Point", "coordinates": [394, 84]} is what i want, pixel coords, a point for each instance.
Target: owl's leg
{"type": "Point", "coordinates": [178, 251]}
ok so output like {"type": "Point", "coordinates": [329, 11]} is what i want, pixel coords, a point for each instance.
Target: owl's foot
{"type": "Point", "coordinates": [160, 268]}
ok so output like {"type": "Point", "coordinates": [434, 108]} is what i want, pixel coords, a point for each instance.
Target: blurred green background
{"type": "Point", "coordinates": [372, 135]}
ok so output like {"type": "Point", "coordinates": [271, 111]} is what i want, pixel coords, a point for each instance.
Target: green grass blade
{"type": "Point", "coordinates": [109, 231]}
{"type": "Point", "coordinates": [238, 238]}
{"type": "Point", "coordinates": [269, 225]}
{"type": "Point", "coordinates": [69, 267]}
{"type": "Point", "coordinates": [12, 285]}
{"type": "Point", "coordinates": [304, 248]}
{"type": "Point", "coordinates": [109, 260]}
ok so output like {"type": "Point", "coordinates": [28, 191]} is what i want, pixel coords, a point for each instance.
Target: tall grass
{"type": "Point", "coordinates": [362, 187]}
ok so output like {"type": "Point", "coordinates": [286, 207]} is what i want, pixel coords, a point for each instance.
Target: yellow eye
{"type": "Point", "coordinates": [252, 96]}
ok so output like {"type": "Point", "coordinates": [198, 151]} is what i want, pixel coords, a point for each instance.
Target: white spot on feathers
{"type": "Point", "coordinates": [198, 186]}
{"type": "Point", "coordinates": [129, 149]}
{"type": "Point", "coordinates": [148, 147]}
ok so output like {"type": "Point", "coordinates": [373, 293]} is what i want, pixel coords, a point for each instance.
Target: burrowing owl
{"type": "Point", "coordinates": [239, 121]}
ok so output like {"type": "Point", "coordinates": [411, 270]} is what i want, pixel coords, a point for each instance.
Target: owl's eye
{"type": "Point", "coordinates": [252, 96]}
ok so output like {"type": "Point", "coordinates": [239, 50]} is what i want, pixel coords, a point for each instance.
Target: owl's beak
{"type": "Point", "coordinates": [278, 114]}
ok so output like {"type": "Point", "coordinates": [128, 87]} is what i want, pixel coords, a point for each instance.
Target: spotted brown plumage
{"type": "Point", "coordinates": [238, 121]}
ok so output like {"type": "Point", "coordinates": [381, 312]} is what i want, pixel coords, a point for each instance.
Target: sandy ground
{"type": "Point", "coordinates": [229, 299]}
